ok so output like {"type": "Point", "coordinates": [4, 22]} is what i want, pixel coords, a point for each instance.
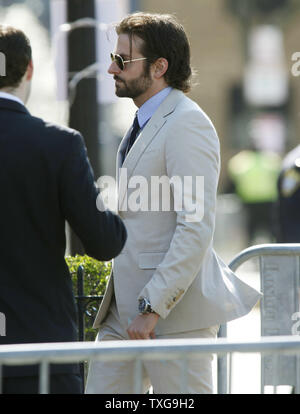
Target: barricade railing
{"type": "Point", "coordinates": [138, 351]}
{"type": "Point", "coordinates": [279, 266]}
{"type": "Point", "coordinates": [83, 302]}
{"type": "Point", "coordinates": [84, 311]}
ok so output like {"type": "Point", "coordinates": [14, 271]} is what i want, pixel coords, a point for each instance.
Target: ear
{"type": "Point", "coordinates": [160, 67]}
{"type": "Point", "coordinates": [29, 72]}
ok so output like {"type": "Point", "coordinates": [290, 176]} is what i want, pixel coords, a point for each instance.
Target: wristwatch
{"type": "Point", "coordinates": [145, 306]}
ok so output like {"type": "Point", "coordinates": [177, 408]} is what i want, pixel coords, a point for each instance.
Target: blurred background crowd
{"type": "Point", "coordinates": [246, 59]}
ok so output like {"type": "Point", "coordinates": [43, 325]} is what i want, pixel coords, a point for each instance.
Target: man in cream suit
{"type": "Point", "coordinates": [168, 282]}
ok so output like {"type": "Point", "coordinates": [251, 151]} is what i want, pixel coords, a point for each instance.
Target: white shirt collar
{"type": "Point", "coordinates": [6, 95]}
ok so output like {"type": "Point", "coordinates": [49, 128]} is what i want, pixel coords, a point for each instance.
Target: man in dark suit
{"type": "Point", "coordinates": [45, 180]}
{"type": "Point", "coordinates": [287, 206]}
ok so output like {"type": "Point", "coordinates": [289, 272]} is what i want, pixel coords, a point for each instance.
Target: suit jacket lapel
{"type": "Point", "coordinates": [119, 175]}
{"type": "Point", "coordinates": [120, 152]}
{"type": "Point", "coordinates": [144, 139]}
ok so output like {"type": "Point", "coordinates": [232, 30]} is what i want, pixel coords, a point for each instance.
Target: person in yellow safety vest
{"type": "Point", "coordinates": [254, 175]}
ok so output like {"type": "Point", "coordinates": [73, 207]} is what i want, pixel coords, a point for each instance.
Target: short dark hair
{"type": "Point", "coordinates": [162, 36]}
{"type": "Point", "coordinates": [16, 48]}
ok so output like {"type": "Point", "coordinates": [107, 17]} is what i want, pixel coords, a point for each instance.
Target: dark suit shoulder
{"type": "Point", "coordinates": [53, 129]}
{"type": "Point", "coordinates": [56, 140]}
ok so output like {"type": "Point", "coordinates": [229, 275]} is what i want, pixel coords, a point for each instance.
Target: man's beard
{"type": "Point", "coordinates": [133, 88]}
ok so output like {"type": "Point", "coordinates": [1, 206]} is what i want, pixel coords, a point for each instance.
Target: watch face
{"type": "Point", "coordinates": [142, 305]}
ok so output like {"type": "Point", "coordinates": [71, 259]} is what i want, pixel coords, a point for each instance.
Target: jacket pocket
{"type": "Point", "coordinates": [150, 260]}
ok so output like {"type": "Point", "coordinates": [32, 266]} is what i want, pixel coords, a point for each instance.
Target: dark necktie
{"type": "Point", "coordinates": [133, 135]}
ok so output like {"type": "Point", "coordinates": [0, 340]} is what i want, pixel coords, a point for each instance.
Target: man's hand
{"type": "Point", "coordinates": [143, 326]}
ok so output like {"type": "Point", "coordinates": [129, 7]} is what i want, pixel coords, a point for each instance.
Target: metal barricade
{"type": "Point", "coordinates": [280, 284]}
{"type": "Point", "coordinates": [139, 351]}
{"type": "Point", "coordinates": [83, 303]}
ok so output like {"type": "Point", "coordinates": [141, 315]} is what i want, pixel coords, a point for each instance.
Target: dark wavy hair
{"type": "Point", "coordinates": [162, 36]}
{"type": "Point", "coordinates": [17, 51]}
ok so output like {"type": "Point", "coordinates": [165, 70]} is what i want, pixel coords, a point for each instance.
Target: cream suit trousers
{"type": "Point", "coordinates": [164, 376]}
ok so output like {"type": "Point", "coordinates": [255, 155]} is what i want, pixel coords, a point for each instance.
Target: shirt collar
{"type": "Point", "coordinates": [148, 108]}
{"type": "Point", "coordinates": [6, 95]}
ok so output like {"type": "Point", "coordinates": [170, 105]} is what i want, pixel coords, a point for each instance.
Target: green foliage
{"type": "Point", "coordinates": [95, 278]}
{"type": "Point", "coordinates": [96, 274]}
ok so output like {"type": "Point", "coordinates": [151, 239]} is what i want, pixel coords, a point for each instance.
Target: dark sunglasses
{"type": "Point", "coordinates": [120, 61]}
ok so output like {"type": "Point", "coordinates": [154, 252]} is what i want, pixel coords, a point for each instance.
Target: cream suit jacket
{"type": "Point", "coordinates": [168, 259]}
